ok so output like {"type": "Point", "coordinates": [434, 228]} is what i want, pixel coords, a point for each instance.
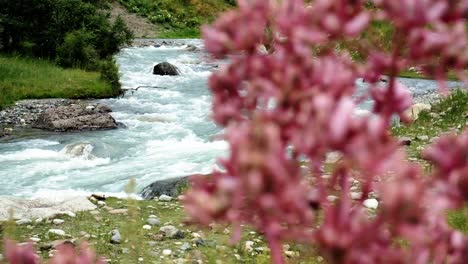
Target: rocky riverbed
{"type": "Point", "coordinates": [59, 115]}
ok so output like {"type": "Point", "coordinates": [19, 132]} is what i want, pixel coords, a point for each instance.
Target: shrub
{"type": "Point", "coordinates": [285, 111]}
{"type": "Point", "coordinates": [77, 51]}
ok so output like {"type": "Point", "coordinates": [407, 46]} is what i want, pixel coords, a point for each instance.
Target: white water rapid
{"type": "Point", "coordinates": [168, 133]}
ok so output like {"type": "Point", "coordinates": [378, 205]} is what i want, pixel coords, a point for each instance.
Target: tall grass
{"type": "Point", "coordinates": [25, 78]}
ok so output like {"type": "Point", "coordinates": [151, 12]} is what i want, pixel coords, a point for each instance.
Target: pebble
{"type": "Point", "coordinates": [58, 232]}
{"type": "Point", "coordinates": [35, 239]}
{"type": "Point", "coordinates": [249, 246]}
{"type": "Point", "coordinates": [185, 246]}
{"type": "Point", "coordinates": [371, 203]}
{"type": "Point", "coordinates": [169, 231]}
{"type": "Point", "coordinates": [140, 259]}
{"type": "Point", "coordinates": [332, 198]}
{"type": "Point", "coordinates": [356, 195]}
{"type": "Point", "coordinates": [70, 214]}
{"type": "Point", "coordinates": [167, 252]}
{"type": "Point", "coordinates": [153, 221]}
{"type": "Point", "coordinates": [422, 138]}
{"type": "Point", "coordinates": [23, 221]}
{"type": "Point", "coordinates": [116, 237]}
{"type": "Point", "coordinates": [101, 203]}
{"type": "Point", "coordinates": [147, 227]}
{"type": "Point", "coordinates": [58, 221]}
{"type": "Point", "coordinates": [165, 198]}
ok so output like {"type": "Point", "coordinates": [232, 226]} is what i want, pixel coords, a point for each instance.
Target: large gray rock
{"type": "Point", "coordinates": [169, 187]}
{"type": "Point", "coordinates": [165, 68]}
{"type": "Point", "coordinates": [42, 208]}
{"type": "Point", "coordinates": [76, 117]}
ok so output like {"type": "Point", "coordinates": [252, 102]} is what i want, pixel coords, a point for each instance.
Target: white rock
{"type": "Point", "coordinates": [153, 221]}
{"type": "Point", "coordinates": [39, 220]}
{"type": "Point", "coordinates": [140, 259]}
{"type": "Point", "coordinates": [58, 232]}
{"type": "Point", "coordinates": [167, 252]}
{"type": "Point", "coordinates": [332, 198]}
{"type": "Point", "coordinates": [356, 195]}
{"type": "Point", "coordinates": [42, 208]}
{"type": "Point", "coordinates": [165, 198]}
{"type": "Point", "coordinates": [249, 246]}
{"type": "Point", "coordinates": [58, 221]}
{"type": "Point", "coordinates": [371, 203]}
{"type": "Point", "coordinates": [101, 203]}
{"type": "Point", "coordinates": [23, 221]}
{"type": "Point", "coordinates": [70, 214]}
{"type": "Point", "coordinates": [147, 227]}
{"type": "Point", "coordinates": [35, 239]}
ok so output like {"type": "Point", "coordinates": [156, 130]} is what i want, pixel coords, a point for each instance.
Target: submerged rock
{"type": "Point", "coordinates": [165, 68]}
{"type": "Point", "coordinates": [76, 117]}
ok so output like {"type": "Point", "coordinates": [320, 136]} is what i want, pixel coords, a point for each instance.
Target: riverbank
{"type": "Point", "coordinates": [26, 78]}
{"type": "Point", "coordinates": [155, 231]}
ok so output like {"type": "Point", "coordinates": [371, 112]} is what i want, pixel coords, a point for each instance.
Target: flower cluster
{"type": "Point", "coordinates": [285, 111]}
{"type": "Point", "coordinates": [66, 254]}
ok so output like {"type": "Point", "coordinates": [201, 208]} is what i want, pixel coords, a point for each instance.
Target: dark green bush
{"type": "Point", "coordinates": [110, 73]}
{"type": "Point", "coordinates": [77, 51]}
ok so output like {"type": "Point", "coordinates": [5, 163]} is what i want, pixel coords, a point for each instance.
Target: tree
{"type": "Point", "coordinates": [285, 112]}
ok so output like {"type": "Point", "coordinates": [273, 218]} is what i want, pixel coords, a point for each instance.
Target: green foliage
{"type": "Point", "coordinates": [77, 51]}
{"type": "Point", "coordinates": [25, 78]}
{"type": "Point", "coordinates": [48, 27]}
{"type": "Point", "coordinates": [179, 18]}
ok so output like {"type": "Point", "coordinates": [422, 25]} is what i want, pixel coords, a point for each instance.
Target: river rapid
{"type": "Point", "coordinates": [168, 133]}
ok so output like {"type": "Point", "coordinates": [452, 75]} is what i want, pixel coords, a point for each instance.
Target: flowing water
{"type": "Point", "coordinates": [168, 133]}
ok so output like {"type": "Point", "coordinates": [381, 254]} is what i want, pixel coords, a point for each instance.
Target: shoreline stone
{"type": "Point", "coordinates": [42, 208]}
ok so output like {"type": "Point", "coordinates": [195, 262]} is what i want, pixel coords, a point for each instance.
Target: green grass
{"type": "Point", "coordinates": [178, 18]}
{"type": "Point", "coordinates": [135, 240]}
{"type": "Point", "coordinates": [25, 78]}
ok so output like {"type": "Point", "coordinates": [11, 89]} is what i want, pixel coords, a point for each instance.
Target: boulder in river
{"type": "Point", "coordinates": [165, 68]}
{"type": "Point", "coordinates": [169, 187]}
{"type": "Point", "coordinates": [76, 117]}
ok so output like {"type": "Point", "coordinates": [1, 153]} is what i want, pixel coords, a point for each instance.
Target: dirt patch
{"type": "Point", "coordinates": [141, 27]}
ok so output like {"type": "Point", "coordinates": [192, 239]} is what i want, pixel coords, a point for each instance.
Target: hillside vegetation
{"type": "Point", "coordinates": [178, 18]}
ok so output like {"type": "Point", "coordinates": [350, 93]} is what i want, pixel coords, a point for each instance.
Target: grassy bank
{"type": "Point", "coordinates": [178, 18]}
{"type": "Point", "coordinates": [25, 78]}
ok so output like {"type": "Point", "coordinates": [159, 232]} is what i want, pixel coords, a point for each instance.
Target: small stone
{"type": "Point", "coordinates": [249, 246]}
{"type": "Point", "coordinates": [165, 198]}
{"type": "Point", "coordinates": [185, 247]}
{"type": "Point", "coordinates": [35, 239]}
{"type": "Point", "coordinates": [356, 195]}
{"type": "Point", "coordinates": [371, 203]}
{"type": "Point", "coordinates": [167, 252]}
{"type": "Point", "coordinates": [58, 232]}
{"type": "Point", "coordinates": [153, 221]}
{"type": "Point", "coordinates": [140, 259]}
{"type": "Point", "coordinates": [147, 227]}
{"type": "Point", "coordinates": [332, 198]}
{"type": "Point", "coordinates": [116, 237]}
{"type": "Point", "coordinates": [70, 214]}
{"type": "Point", "coordinates": [58, 221]}
{"type": "Point", "coordinates": [39, 220]}
{"type": "Point", "coordinates": [101, 203]}
{"type": "Point", "coordinates": [290, 254]}
{"type": "Point", "coordinates": [23, 221]}
{"type": "Point", "coordinates": [422, 138]}
{"type": "Point", "coordinates": [196, 235]}
{"type": "Point", "coordinates": [94, 212]}
{"type": "Point", "coordinates": [169, 231]}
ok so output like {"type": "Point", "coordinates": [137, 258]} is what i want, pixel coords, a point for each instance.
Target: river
{"type": "Point", "coordinates": [168, 133]}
